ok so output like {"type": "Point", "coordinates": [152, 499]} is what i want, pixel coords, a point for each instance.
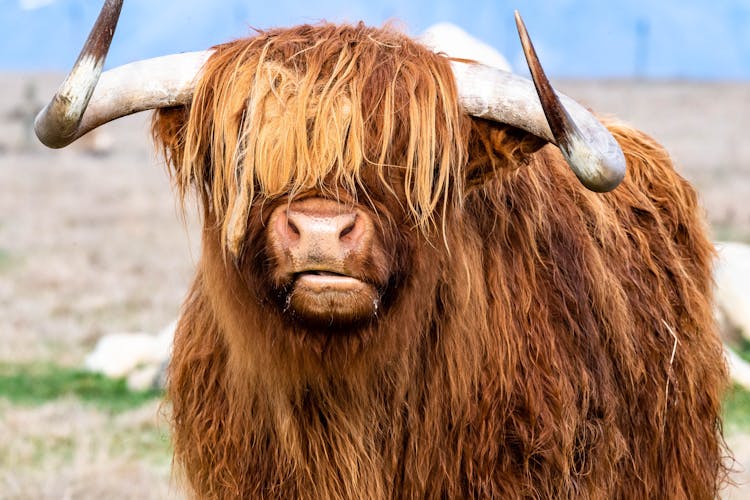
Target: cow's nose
{"type": "Point", "coordinates": [317, 228]}
{"type": "Point", "coordinates": [301, 225]}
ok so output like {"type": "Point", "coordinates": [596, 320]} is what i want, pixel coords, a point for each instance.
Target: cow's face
{"type": "Point", "coordinates": [320, 186]}
{"type": "Point", "coordinates": [321, 160]}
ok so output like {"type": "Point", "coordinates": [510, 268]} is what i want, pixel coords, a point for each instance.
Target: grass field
{"type": "Point", "coordinates": [66, 433]}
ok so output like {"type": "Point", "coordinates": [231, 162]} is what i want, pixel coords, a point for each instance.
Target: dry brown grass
{"type": "Point", "coordinates": [64, 449]}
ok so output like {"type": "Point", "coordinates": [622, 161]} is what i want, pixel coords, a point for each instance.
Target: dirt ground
{"type": "Point", "coordinates": [93, 242]}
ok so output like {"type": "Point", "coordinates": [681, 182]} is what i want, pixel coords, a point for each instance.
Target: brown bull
{"type": "Point", "coordinates": [405, 292]}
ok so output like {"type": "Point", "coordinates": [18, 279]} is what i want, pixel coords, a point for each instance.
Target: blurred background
{"type": "Point", "coordinates": [96, 255]}
{"type": "Point", "coordinates": [576, 38]}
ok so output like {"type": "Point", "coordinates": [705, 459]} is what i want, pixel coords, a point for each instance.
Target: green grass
{"type": "Point", "coordinates": [38, 383]}
{"type": "Point", "coordinates": [736, 410]}
{"type": "Point", "coordinates": [730, 232]}
{"type": "Point", "coordinates": [5, 259]}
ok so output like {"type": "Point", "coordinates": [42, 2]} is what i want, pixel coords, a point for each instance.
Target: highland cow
{"type": "Point", "coordinates": [404, 291]}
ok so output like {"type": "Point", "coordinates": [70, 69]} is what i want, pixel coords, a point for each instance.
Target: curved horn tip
{"type": "Point", "coordinates": [598, 171]}
{"type": "Point", "coordinates": [45, 136]}
{"type": "Point", "coordinates": [603, 184]}
{"type": "Point", "coordinates": [57, 124]}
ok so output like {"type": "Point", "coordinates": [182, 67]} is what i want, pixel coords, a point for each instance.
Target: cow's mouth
{"type": "Point", "coordinates": [328, 298]}
{"type": "Point", "coordinates": [322, 275]}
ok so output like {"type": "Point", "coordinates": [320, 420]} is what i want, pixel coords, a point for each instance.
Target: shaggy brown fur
{"type": "Point", "coordinates": [537, 341]}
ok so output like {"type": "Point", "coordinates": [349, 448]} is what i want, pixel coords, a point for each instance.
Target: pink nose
{"type": "Point", "coordinates": [317, 229]}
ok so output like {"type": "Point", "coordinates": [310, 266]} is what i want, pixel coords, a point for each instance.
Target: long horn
{"type": "Point", "coordinates": [89, 98]}
{"type": "Point", "coordinates": [586, 144]}
{"type": "Point", "coordinates": [596, 159]}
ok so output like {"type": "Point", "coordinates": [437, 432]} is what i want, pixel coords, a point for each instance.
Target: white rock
{"type": "Point", "coordinates": [455, 42]}
{"type": "Point", "coordinates": [143, 378]}
{"type": "Point", "coordinates": [739, 369]}
{"type": "Point", "coordinates": [165, 337]}
{"type": "Point", "coordinates": [118, 354]}
{"type": "Point", "coordinates": [732, 277]}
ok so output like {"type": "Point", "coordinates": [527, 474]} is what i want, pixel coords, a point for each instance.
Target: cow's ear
{"type": "Point", "coordinates": [494, 147]}
{"type": "Point", "coordinates": [168, 127]}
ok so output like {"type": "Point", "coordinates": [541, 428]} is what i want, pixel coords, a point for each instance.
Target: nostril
{"type": "Point", "coordinates": [348, 229]}
{"type": "Point", "coordinates": [292, 227]}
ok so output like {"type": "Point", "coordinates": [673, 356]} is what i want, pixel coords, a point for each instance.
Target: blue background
{"type": "Point", "coordinates": [575, 38]}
